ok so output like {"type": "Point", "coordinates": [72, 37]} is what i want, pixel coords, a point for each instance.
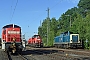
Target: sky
{"type": "Point", "coordinates": [28, 13]}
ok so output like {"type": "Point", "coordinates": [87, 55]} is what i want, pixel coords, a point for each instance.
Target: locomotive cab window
{"type": "Point", "coordinates": [36, 36]}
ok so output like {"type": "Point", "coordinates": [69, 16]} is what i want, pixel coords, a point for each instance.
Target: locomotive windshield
{"type": "Point", "coordinates": [36, 36]}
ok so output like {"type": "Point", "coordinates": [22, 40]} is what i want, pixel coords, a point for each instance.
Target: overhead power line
{"type": "Point", "coordinates": [11, 10]}
{"type": "Point", "coordinates": [14, 10]}
{"type": "Point", "coordinates": [56, 4]}
{"type": "Point", "coordinates": [48, 13]}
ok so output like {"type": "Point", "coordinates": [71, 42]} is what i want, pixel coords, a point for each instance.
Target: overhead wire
{"type": "Point", "coordinates": [14, 10]}
{"type": "Point", "coordinates": [38, 17]}
{"type": "Point", "coordinates": [11, 10]}
{"type": "Point", "coordinates": [56, 4]}
{"type": "Point", "coordinates": [51, 7]}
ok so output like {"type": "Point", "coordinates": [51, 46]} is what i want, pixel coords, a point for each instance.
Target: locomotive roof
{"type": "Point", "coordinates": [9, 25]}
{"type": "Point", "coordinates": [69, 32]}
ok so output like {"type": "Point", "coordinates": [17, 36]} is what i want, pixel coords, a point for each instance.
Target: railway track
{"type": "Point", "coordinates": [60, 55]}
{"type": "Point", "coordinates": [50, 54]}
{"type": "Point", "coordinates": [16, 56]}
{"type": "Point", "coordinates": [3, 55]}
{"type": "Point", "coordinates": [23, 57]}
{"type": "Point", "coordinates": [43, 54]}
{"type": "Point", "coordinates": [66, 54]}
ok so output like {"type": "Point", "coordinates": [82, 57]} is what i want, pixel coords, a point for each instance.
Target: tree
{"type": "Point", "coordinates": [42, 31]}
{"type": "Point", "coordinates": [52, 31]}
{"type": "Point", "coordinates": [84, 7]}
{"type": "Point", "coordinates": [84, 4]}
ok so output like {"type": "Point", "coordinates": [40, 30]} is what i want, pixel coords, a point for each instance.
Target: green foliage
{"type": "Point", "coordinates": [84, 7]}
{"type": "Point", "coordinates": [80, 23]}
{"type": "Point", "coordinates": [84, 4]}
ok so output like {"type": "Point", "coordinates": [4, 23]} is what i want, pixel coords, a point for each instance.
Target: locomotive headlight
{"type": "Point", "coordinates": [3, 42]}
{"type": "Point", "coordinates": [79, 41]}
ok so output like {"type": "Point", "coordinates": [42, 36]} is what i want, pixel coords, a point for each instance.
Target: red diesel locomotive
{"type": "Point", "coordinates": [11, 38]}
{"type": "Point", "coordinates": [35, 41]}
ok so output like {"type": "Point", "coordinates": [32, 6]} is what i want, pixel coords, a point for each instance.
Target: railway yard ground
{"type": "Point", "coordinates": [47, 54]}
